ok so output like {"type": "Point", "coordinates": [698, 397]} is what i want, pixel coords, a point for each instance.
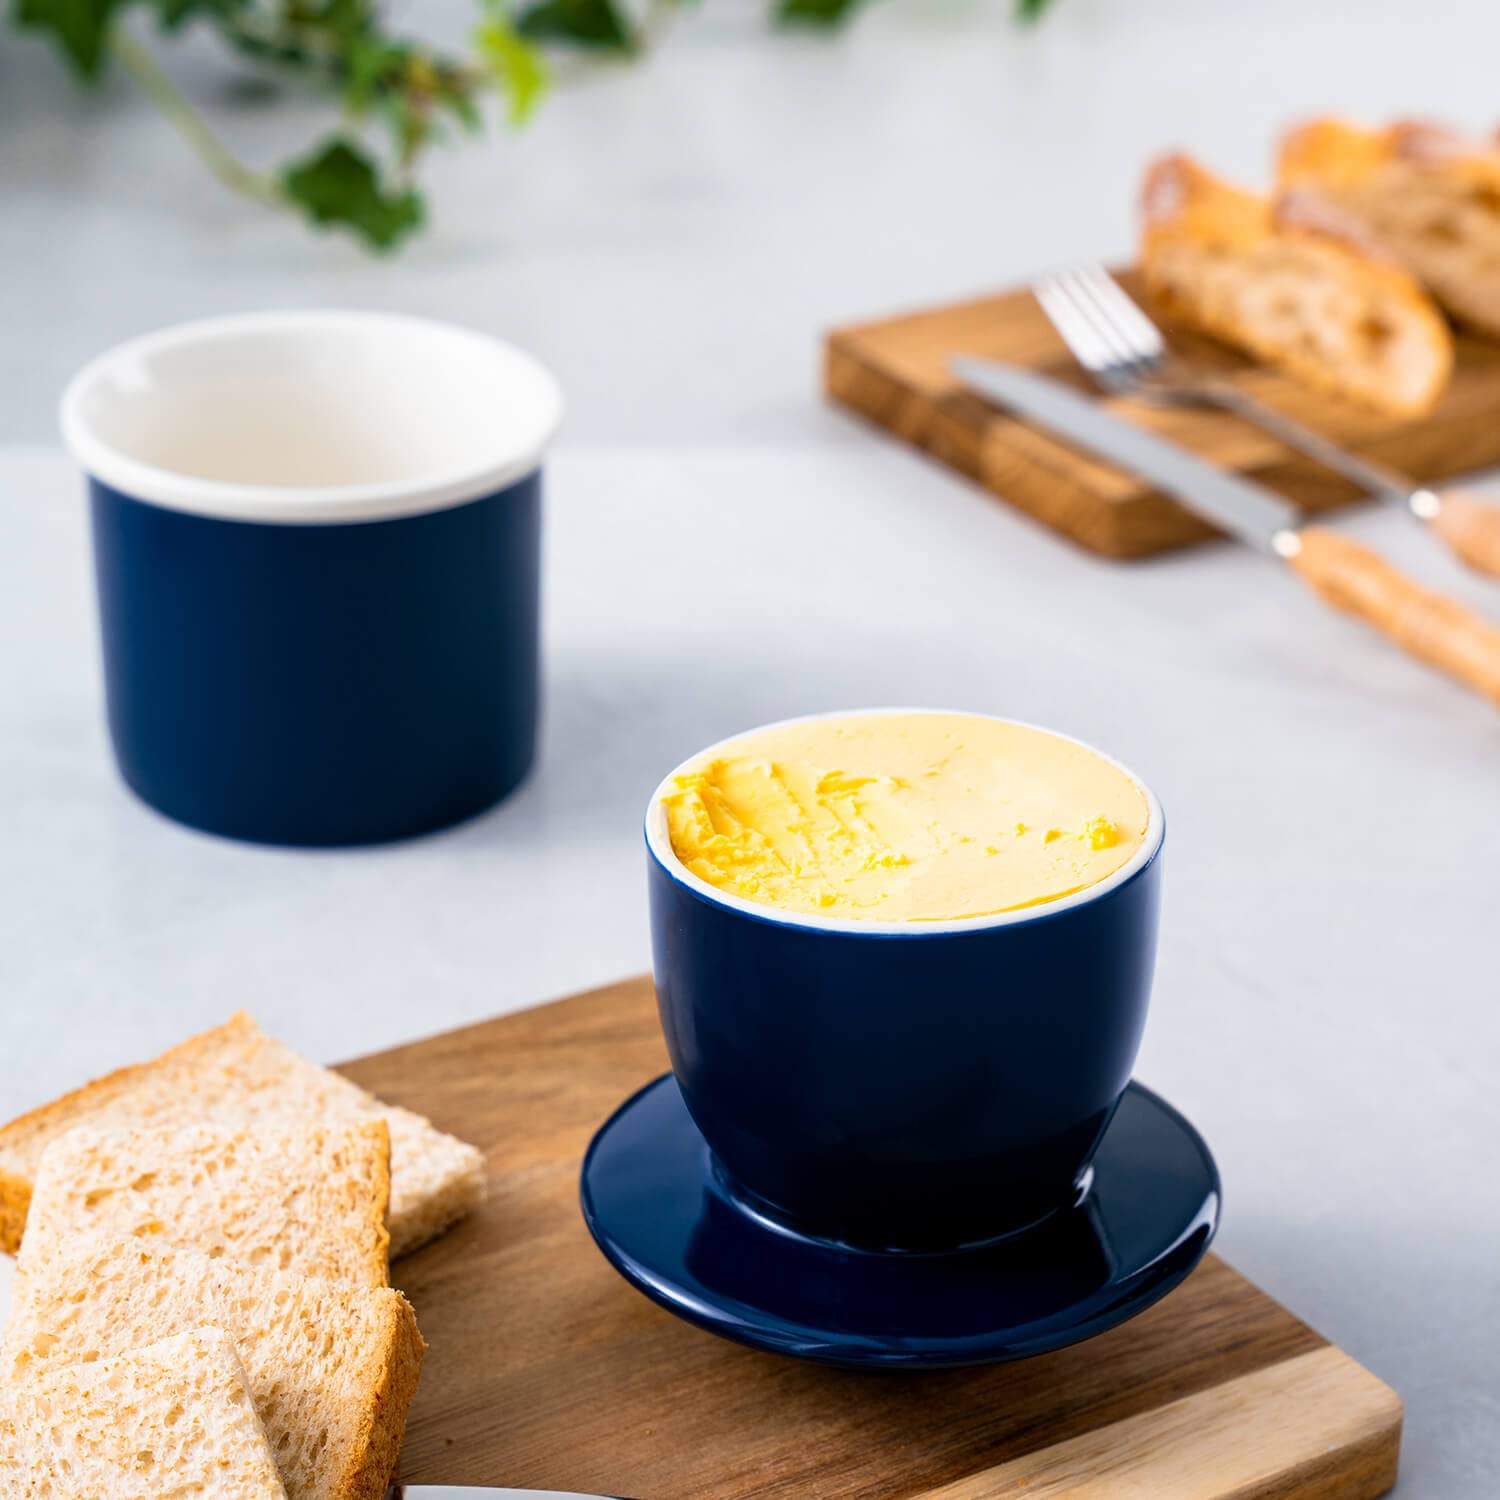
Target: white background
{"type": "Point", "coordinates": [722, 550]}
{"type": "Point", "coordinates": [671, 237]}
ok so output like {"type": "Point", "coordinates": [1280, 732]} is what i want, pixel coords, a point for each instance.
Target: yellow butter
{"type": "Point", "coordinates": [904, 817]}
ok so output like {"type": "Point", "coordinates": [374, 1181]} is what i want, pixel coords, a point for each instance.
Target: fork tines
{"type": "Point", "coordinates": [1108, 334]}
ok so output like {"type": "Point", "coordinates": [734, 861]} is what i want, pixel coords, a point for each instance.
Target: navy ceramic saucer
{"type": "Point", "coordinates": [660, 1213]}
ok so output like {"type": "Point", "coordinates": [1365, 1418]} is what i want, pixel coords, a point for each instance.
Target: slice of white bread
{"type": "Point", "coordinates": [311, 1201]}
{"type": "Point", "coordinates": [331, 1366]}
{"type": "Point", "coordinates": [12, 1486]}
{"type": "Point", "coordinates": [237, 1075]}
{"type": "Point", "coordinates": [171, 1421]}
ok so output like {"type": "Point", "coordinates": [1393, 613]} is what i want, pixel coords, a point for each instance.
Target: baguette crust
{"type": "Point", "coordinates": [1427, 193]}
{"type": "Point", "coordinates": [1295, 282]}
{"type": "Point", "coordinates": [1335, 153]}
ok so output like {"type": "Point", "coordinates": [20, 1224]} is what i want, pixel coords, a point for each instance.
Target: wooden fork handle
{"type": "Point", "coordinates": [1470, 525]}
{"type": "Point", "coordinates": [1437, 630]}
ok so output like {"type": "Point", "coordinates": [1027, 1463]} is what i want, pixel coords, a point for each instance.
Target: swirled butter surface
{"type": "Point", "coordinates": [907, 817]}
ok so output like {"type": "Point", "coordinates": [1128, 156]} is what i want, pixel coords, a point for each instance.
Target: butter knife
{"type": "Point", "coordinates": [478, 1492]}
{"type": "Point", "coordinates": [1352, 577]}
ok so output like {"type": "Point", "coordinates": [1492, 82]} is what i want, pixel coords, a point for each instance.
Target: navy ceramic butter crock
{"type": "Point", "coordinates": [903, 1085]}
{"type": "Point", "coordinates": [317, 547]}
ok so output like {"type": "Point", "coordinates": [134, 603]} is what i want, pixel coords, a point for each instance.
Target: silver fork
{"type": "Point", "coordinates": [1125, 353]}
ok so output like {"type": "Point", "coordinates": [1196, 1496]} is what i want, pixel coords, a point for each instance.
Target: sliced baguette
{"type": "Point", "coordinates": [1295, 283]}
{"type": "Point", "coordinates": [171, 1421]}
{"type": "Point", "coordinates": [1429, 195]}
{"type": "Point", "coordinates": [237, 1075]}
{"type": "Point", "coordinates": [311, 1201]}
{"type": "Point", "coordinates": [331, 1366]}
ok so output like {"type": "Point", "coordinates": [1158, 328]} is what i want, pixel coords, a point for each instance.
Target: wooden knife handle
{"type": "Point", "coordinates": [1470, 525]}
{"type": "Point", "coordinates": [1440, 631]}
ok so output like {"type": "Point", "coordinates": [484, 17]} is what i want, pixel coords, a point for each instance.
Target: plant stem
{"type": "Point", "coordinates": [659, 16]}
{"type": "Point", "coordinates": [190, 125]}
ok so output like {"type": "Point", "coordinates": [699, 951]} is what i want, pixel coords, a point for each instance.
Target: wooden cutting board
{"type": "Point", "coordinates": [545, 1370]}
{"type": "Point", "coordinates": [895, 372]}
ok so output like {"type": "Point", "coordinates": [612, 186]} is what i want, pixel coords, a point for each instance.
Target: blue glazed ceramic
{"type": "Point", "coordinates": [908, 1085]}
{"type": "Point", "coordinates": [664, 1217]}
{"type": "Point", "coordinates": [317, 550]}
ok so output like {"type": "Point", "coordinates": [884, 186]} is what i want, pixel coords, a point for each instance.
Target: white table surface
{"type": "Point", "coordinates": [672, 239]}
{"type": "Point", "coordinates": [1325, 1008]}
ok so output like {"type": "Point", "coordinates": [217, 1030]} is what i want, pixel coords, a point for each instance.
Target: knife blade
{"type": "Point", "coordinates": [478, 1492]}
{"type": "Point", "coordinates": [1246, 510]}
{"type": "Point", "coordinates": [1346, 574]}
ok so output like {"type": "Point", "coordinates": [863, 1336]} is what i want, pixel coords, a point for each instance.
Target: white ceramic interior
{"type": "Point", "coordinates": [660, 844]}
{"type": "Point", "coordinates": [311, 416]}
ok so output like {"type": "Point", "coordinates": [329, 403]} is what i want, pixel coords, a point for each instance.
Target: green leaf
{"type": "Point", "coordinates": [585, 23]}
{"type": "Point", "coordinates": [462, 107]}
{"type": "Point", "coordinates": [80, 27]}
{"type": "Point", "coordinates": [340, 185]}
{"type": "Point", "coordinates": [368, 64]}
{"type": "Point", "coordinates": [517, 67]}
{"type": "Point", "coordinates": [824, 14]}
{"type": "Point", "coordinates": [1029, 11]}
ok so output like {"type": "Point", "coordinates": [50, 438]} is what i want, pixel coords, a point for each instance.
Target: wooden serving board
{"type": "Point", "coordinates": [895, 372]}
{"type": "Point", "coordinates": [545, 1370]}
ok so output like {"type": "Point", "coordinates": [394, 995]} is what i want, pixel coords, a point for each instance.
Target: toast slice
{"type": "Point", "coordinates": [172, 1421]}
{"type": "Point", "coordinates": [237, 1075]}
{"type": "Point", "coordinates": [331, 1367]}
{"type": "Point", "coordinates": [12, 1482]}
{"type": "Point", "coordinates": [1427, 194]}
{"type": "Point", "coordinates": [313, 1201]}
{"type": "Point", "coordinates": [1294, 283]}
